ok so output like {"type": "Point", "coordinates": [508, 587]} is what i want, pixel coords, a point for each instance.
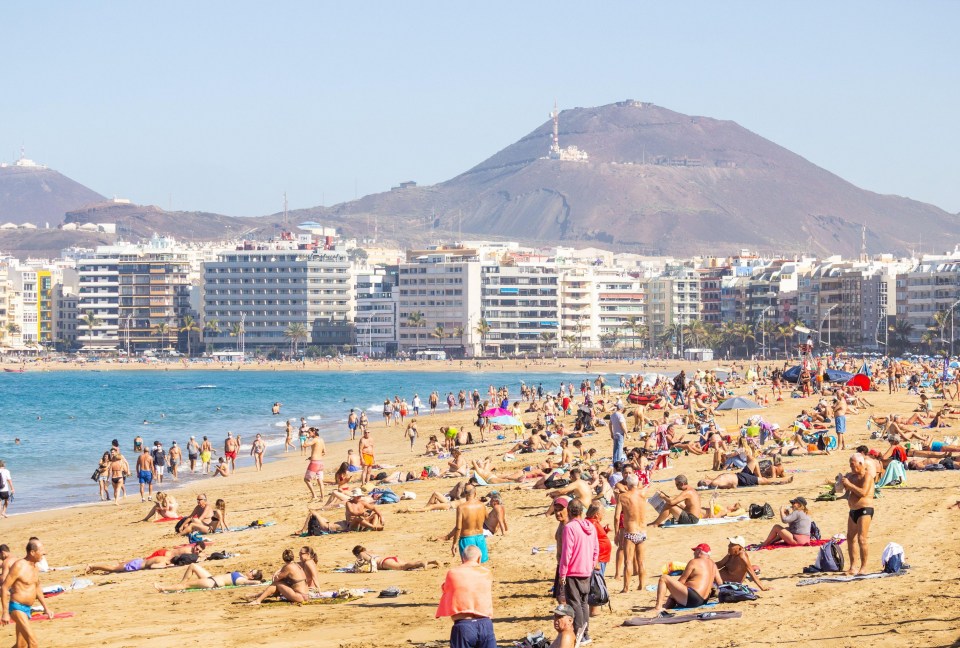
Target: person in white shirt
{"type": "Point", "coordinates": [6, 489]}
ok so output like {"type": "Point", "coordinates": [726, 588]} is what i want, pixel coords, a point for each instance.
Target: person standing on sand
{"type": "Point", "coordinates": [230, 447]}
{"type": "Point", "coordinates": [288, 441]}
{"type": "Point", "coordinates": [578, 559]}
{"type": "Point", "coordinates": [628, 525]}
{"type": "Point", "coordinates": [145, 473]}
{"type": "Point", "coordinates": [411, 432]}
{"type": "Point", "coordinates": [352, 422]}
{"type": "Point", "coordinates": [175, 458]}
{"type": "Point", "coordinates": [6, 488]}
{"type": "Point", "coordinates": [20, 590]}
{"type": "Point", "coordinates": [257, 449]}
{"type": "Point", "coordinates": [468, 600]}
{"type": "Point", "coordinates": [365, 450]}
{"type": "Point", "coordinates": [840, 418]}
{"type": "Point", "coordinates": [159, 461]}
{"type": "Point", "coordinates": [468, 531]}
{"type": "Point", "coordinates": [118, 470]}
{"type": "Point", "coordinates": [315, 466]}
{"type": "Point", "coordinates": [434, 399]}
{"type": "Point", "coordinates": [193, 453]}
{"type": "Point", "coordinates": [859, 485]}
{"type": "Point", "coordinates": [206, 452]}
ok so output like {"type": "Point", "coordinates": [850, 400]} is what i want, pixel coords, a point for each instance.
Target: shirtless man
{"type": "Point", "coordinates": [230, 447]}
{"type": "Point", "coordinates": [352, 423]}
{"type": "Point", "coordinates": [175, 457]}
{"type": "Point", "coordinates": [628, 522]}
{"type": "Point", "coordinates": [577, 488]}
{"type": "Point", "coordinates": [315, 466]}
{"type": "Point", "coordinates": [202, 512]}
{"type": "Point", "coordinates": [735, 567]}
{"type": "Point", "coordinates": [365, 450]}
{"type": "Point", "coordinates": [859, 484]}
{"type": "Point", "coordinates": [471, 515]}
{"type": "Point", "coordinates": [160, 559]}
{"type": "Point", "coordinates": [693, 587]}
{"type": "Point", "coordinates": [206, 452]}
{"type": "Point", "coordinates": [193, 453]}
{"type": "Point", "coordinates": [361, 515]}
{"type": "Point", "coordinates": [20, 590]}
{"type": "Point", "coordinates": [497, 517]}
{"type": "Point", "coordinates": [682, 509]}
{"type": "Point", "coordinates": [145, 472]}
{"type": "Point", "coordinates": [840, 417]}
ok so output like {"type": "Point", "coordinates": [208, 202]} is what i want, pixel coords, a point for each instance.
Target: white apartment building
{"type": "Point", "coordinates": [255, 296]}
{"type": "Point", "coordinates": [520, 304]}
{"type": "Point", "coordinates": [376, 318]}
{"type": "Point", "coordinates": [98, 305]}
{"type": "Point", "coordinates": [673, 298]}
{"type": "Point", "coordinates": [438, 291]}
{"type": "Point", "coordinates": [579, 308]}
{"type": "Point", "coordinates": [621, 309]}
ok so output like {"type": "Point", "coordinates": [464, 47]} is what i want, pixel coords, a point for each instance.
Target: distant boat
{"type": "Point", "coordinates": [14, 370]}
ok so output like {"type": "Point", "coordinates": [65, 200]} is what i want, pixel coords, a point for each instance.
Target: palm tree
{"type": "Point", "coordinates": [744, 333]}
{"type": "Point", "coordinates": [611, 339]}
{"type": "Point", "coordinates": [632, 323]}
{"type": "Point", "coordinates": [236, 330]}
{"type": "Point", "coordinates": [547, 337]}
{"type": "Point", "coordinates": [417, 321]}
{"type": "Point", "coordinates": [483, 328]}
{"type": "Point", "coordinates": [438, 333]}
{"type": "Point", "coordinates": [901, 330]}
{"type": "Point", "coordinates": [928, 339]}
{"type": "Point", "coordinates": [458, 332]}
{"type": "Point", "coordinates": [940, 320]}
{"type": "Point", "coordinates": [642, 331]}
{"type": "Point", "coordinates": [89, 320]}
{"type": "Point", "coordinates": [297, 332]}
{"type": "Point", "coordinates": [569, 340]}
{"type": "Point", "coordinates": [784, 332]}
{"type": "Point", "coordinates": [161, 329]}
{"type": "Point", "coordinates": [189, 325]}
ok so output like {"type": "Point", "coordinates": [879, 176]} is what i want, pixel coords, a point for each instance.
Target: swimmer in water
{"type": "Point", "coordinates": [17, 441]}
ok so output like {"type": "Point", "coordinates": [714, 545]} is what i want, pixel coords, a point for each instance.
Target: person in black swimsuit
{"type": "Point", "coordinates": [859, 485]}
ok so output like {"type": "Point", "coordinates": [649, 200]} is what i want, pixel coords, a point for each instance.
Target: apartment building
{"type": "Point", "coordinates": [376, 319]}
{"type": "Point", "coordinates": [98, 301]}
{"type": "Point", "coordinates": [520, 304]}
{"type": "Point", "coordinates": [673, 298]}
{"type": "Point", "coordinates": [259, 297]}
{"type": "Point", "coordinates": [923, 290]}
{"type": "Point", "coordinates": [621, 309]}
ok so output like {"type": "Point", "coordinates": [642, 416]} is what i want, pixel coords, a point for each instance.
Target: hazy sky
{"type": "Point", "coordinates": [223, 106]}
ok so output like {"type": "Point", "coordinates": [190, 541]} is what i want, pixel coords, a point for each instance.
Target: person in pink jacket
{"type": "Point", "coordinates": [578, 559]}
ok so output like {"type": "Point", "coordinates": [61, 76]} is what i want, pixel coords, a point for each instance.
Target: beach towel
{"type": "Point", "coordinates": [168, 519]}
{"type": "Point", "coordinates": [707, 522]}
{"type": "Point", "coordinates": [225, 587]}
{"type": "Point", "coordinates": [56, 615]}
{"type": "Point", "coordinates": [249, 527]}
{"type": "Point", "coordinates": [894, 475]}
{"type": "Point", "coordinates": [780, 545]}
{"type": "Point", "coordinates": [683, 618]}
{"type": "Point", "coordinates": [846, 579]}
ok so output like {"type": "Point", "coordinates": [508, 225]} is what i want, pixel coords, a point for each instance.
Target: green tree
{"type": "Point", "coordinates": [189, 326]}
{"type": "Point", "coordinates": [459, 332]}
{"type": "Point", "coordinates": [297, 332]}
{"type": "Point", "coordinates": [482, 329]}
{"type": "Point", "coordinates": [236, 330]}
{"type": "Point", "coordinates": [438, 333]}
{"type": "Point", "coordinates": [161, 329]}
{"type": "Point", "coordinates": [417, 321]}
{"type": "Point", "coordinates": [88, 319]}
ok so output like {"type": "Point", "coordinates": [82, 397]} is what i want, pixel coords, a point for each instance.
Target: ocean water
{"type": "Point", "coordinates": [66, 420]}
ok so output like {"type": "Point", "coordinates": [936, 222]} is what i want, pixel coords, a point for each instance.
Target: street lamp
{"type": "Point", "coordinates": [826, 318]}
{"type": "Point", "coordinates": [763, 332]}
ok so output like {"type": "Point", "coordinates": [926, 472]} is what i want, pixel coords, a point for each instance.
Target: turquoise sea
{"type": "Point", "coordinates": [66, 420]}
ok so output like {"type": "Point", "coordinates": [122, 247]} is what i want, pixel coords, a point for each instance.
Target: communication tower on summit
{"type": "Point", "coordinates": [569, 154]}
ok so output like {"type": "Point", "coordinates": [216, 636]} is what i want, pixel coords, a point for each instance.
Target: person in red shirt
{"type": "Point", "coordinates": [595, 517]}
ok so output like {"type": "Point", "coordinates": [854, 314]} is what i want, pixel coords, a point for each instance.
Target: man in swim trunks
{"type": "Point", "coordinates": [145, 473]}
{"type": "Point", "coordinates": [682, 509]}
{"type": "Point", "coordinates": [693, 587]}
{"type": "Point", "coordinates": [193, 453]}
{"type": "Point", "coordinates": [206, 452]}
{"type": "Point", "coordinates": [628, 522]}
{"type": "Point", "coordinates": [230, 447]}
{"type": "Point", "coordinates": [736, 567]}
{"type": "Point", "coordinates": [175, 457]}
{"type": "Point", "coordinates": [859, 484]}
{"type": "Point", "coordinates": [840, 417]}
{"type": "Point", "coordinates": [352, 422]}
{"type": "Point", "coordinates": [471, 514]}
{"type": "Point", "coordinates": [496, 519]}
{"type": "Point", "coordinates": [21, 589]}
{"type": "Point", "coordinates": [360, 514]}
{"type": "Point", "coordinates": [315, 467]}
{"type": "Point", "coordinates": [365, 450]}
{"type": "Point", "coordinates": [159, 559]}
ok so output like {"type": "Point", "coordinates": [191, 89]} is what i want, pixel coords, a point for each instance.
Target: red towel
{"type": "Point", "coordinates": [780, 545]}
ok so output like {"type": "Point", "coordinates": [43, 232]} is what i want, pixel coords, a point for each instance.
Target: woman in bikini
{"type": "Point", "coordinates": [368, 562]}
{"type": "Point", "coordinates": [198, 578]}
{"type": "Point", "coordinates": [290, 582]}
{"type": "Point", "coordinates": [308, 562]}
{"type": "Point", "coordinates": [164, 507]}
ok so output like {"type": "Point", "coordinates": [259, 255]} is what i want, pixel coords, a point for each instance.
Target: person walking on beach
{"type": "Point", "coordinates": [145, 473]}
{"type": "Point", "coordinates": [20, 590]}
{"type": "Point", "coordinates": [315, 466]}
{"type": "Point", "coordinates": [159, 461]}
{"type": "Point", "coordinates": [193, 453]}
{"type": "Point", "coordinates": [411, 432]}
{"type": "Point", "coordinates": [257, 449]}
{"type": "Point", "coordinates": [417, 404]}
{"type": "Point", "coordinates": [230, 447]}
{"type": "Point", "coordinates": [468, 531]}
{"type": "Point", "coordinates": [618, 432]}
{"type": "Point", "coordinates": [578, 559]}
{"type": "Point", "coordinates": [118, 470]}
{"type": "Point", "coordinates": [468, 600]}
{"type": "Point", "coordinates": [6, 488]}
{"type": "Point", "coordinates": [288, 441]}
{"type": "Point", "coordinates": [206, 452]}
{"type": "Point", "coordinates": [628, 523]}
{"type": "Point", "coordinates": [366, 456]}
{"type": "Point", "coordinates": [434, 399]}
{"type": "Point", "coordinates": [175, 459]}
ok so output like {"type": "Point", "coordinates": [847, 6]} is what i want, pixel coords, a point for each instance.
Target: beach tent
{"type": "Point", "coordinates": [860, 380]}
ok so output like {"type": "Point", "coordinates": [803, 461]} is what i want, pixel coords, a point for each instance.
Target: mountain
{"type": "Point", "coordinates": [657, 181]}
{"type": "Point", "coordinates": [38, 195]}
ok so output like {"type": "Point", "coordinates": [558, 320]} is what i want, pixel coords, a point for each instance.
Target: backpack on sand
{"type": "Point", "coordinates": [758, 511]}
{"type": "Point", "coordinates": [829, 559]}
{"type": "Point", "coordinates": [599, 595]}
{"type": "Point", "coordinates": [735, 593]}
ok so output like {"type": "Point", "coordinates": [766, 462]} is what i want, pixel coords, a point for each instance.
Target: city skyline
{"type": "Point", "coordinates": [226, 107]}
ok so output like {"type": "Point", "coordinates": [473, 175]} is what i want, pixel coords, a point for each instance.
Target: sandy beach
{"type": "Point", "coordinates": [916, 609]}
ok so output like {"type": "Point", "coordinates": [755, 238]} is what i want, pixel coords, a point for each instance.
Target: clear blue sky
{"type": "Point", "coordinates": [223, 106]}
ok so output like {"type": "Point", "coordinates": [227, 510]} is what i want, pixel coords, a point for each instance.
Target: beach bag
{"type": "Point", "coordinates": [735, 593]}
{"type": "Point", "coordinates": [185, 559]}
{"type": "Point", "coordinates": [535, 640]}
{"type": "Point", "coordinates": [758, 511]}
{"type": "Point", "coordinates": [313, 527]}
{"type": "Point", "coordinates": [814, 531]}
{"type": "Point", "coordinates": [829, 558]}
{"type": "Point", "coordinates": [892, 558]}
{"type": "Point", "coordinates": [94, 477]}
{"type": "Point", "coordinates": [556, 482]}
{"type": "Point", "coordinates": [388, 497]}
{"type": "Point", "coordinates": [598, 589]}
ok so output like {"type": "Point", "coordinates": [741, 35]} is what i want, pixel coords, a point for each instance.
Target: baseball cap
{"type": "Point", "coordinates": [356, 492]}
{"type": "Point", "coordinates": [561, 502]}
{"type": "Point", "coordinates": [703, 547]}
{"type": "Point", "coordinates": [799, 500]}
{"type": "Point", "coordinates": [563, 610]}
{"type": "Point", "coordinates": [735, 540]}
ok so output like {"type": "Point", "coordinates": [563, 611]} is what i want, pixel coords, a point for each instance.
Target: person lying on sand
{"type": "Point", "coordinates": [198, 578]}
{"type": "Point", "coordinates": [289, 583]}
{"type": "Point", "coordinates": [159, 559]}
{"type": "Point", "coordinates": [369, 562]}
{"type": "Point", "coordinates": [742, 479]}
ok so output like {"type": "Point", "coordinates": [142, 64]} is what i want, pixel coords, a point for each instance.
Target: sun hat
{"type": "Point", "coordinates": [356, 492]}
{"type": "Point", "coordinates": [736, 540]}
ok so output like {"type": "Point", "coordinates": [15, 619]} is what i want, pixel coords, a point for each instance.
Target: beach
{"type": "Point", "coordinates": [915, 609]}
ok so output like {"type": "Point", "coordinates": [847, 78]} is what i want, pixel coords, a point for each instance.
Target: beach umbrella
{"type": "Point", "coordinates": [496, 411]}
{"type": "Point", "coordinates": [738, 403]}
{"type": "Point", "coordinates": [865, 370]}
{"type": "Point", "coordinates": [506, 420]}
